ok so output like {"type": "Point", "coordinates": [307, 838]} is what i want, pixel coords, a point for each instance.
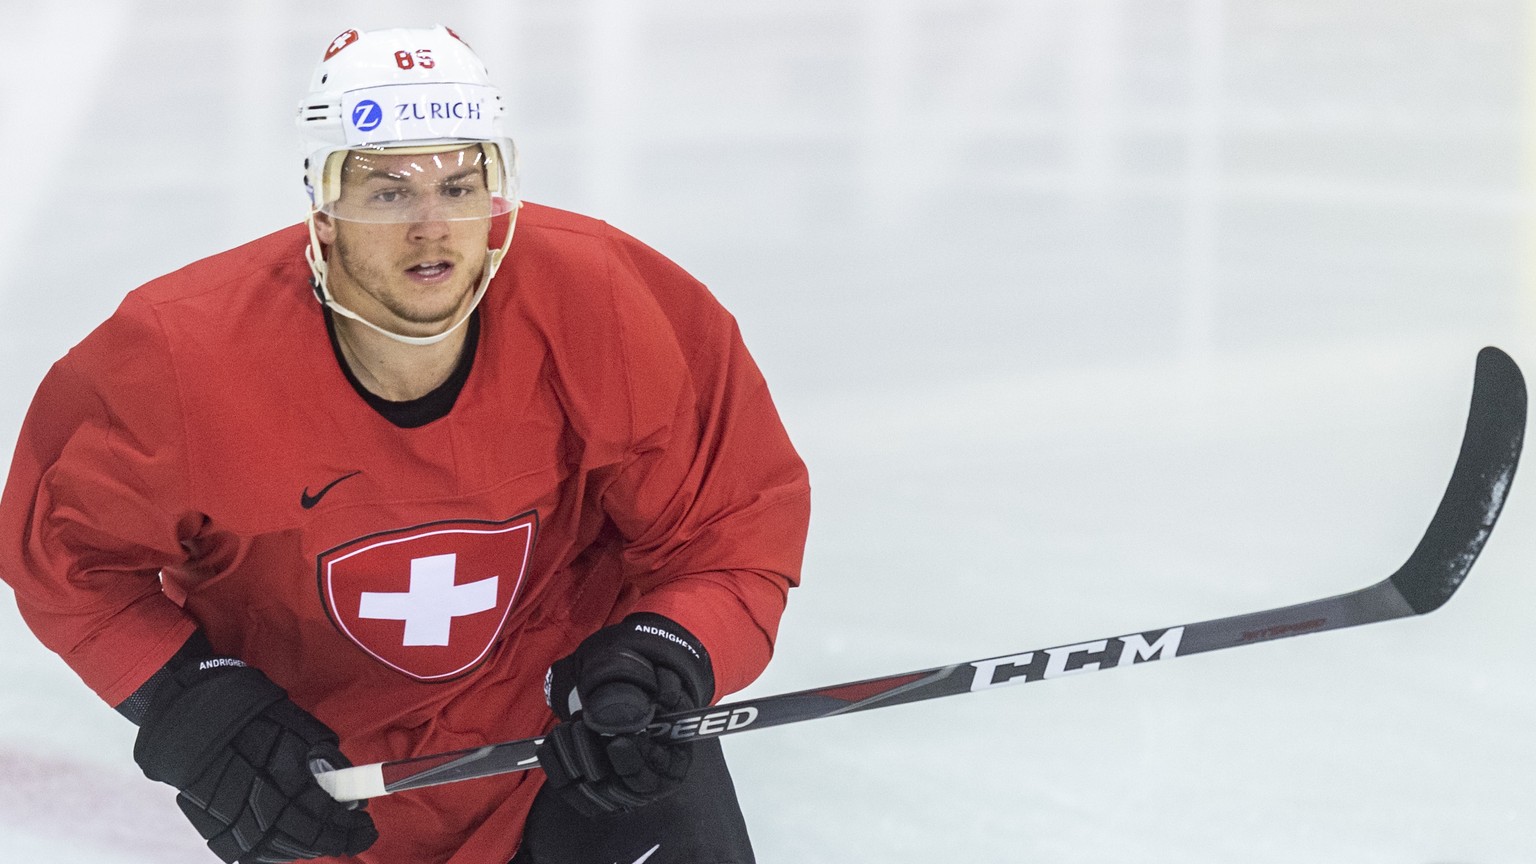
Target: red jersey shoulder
{"type": "Point", "coordinates": [218, 304]}
{"type": "Point", "coordinates": [568, 261]}
{"type": "Point", "coordinates": [252, 298]}
{"type": "Point", "coordinates": [560, 275]}
{"type": "Point", "coordinates": [206, 319]}
{"type": "Point", "coordinates": [545, 217]}
{"type": "Point", "coordinates": [607, 338]}
{"type": "Point", "coordinates": [606, 252]}
{"type": "Point", "coordinates": [277, 256]}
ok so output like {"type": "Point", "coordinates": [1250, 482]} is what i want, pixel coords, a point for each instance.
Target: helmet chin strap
{"type": "Point", "coordinates": [319, 269]}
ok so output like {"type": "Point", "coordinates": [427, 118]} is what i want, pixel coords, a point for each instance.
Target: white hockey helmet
{"type": "Point", "coordinates": [406, 91]}
{"type": "Point", "coordinates": [422, 89]}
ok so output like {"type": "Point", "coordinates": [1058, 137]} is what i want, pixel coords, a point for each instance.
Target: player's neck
{"type": "Point", "coordinates": [394, 370]}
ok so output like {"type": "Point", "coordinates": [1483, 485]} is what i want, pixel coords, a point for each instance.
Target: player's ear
{"type": "Point", "coordinates": [325, 228]}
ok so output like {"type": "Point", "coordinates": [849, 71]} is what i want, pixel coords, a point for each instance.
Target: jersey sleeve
{"type": "Point", "coordinates": [87, 520]}
{"type": "Point", "coordinates": [713, 500]}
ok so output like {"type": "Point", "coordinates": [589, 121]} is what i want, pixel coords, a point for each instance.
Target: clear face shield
{"type": "Point", "coordinates": [444, 183]}
{"type": "Point", "coordinates": [457, 183]}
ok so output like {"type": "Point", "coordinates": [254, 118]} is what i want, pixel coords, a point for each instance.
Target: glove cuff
{"type": "Point", "coordinates": [652, 640]}
{"type": "Point", "coordinates": [195, 712]}
{"type": "Point", "coordinates": [681, 650]}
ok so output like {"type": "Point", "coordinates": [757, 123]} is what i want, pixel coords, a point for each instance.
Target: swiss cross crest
{"type": "Point", "coordinates": [340, 42]}
{"type": "Point", "coordinates": [430, 600]}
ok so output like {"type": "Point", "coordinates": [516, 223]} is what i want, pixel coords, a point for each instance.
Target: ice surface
{"type": "Point", "coordinates": [1089, 317]}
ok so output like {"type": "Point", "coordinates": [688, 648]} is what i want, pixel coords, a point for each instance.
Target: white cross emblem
{"type": "Point", "coordinates": [433, 601]}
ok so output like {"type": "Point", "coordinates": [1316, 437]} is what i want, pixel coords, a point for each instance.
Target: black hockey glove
{"type": "Point", "coordinates": [240, 752]}
{"type": "Point", "coordinates": [601, 760]}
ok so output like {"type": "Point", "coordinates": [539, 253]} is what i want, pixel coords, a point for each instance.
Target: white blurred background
{"type": "Point", "coordinates": [1089, 316]}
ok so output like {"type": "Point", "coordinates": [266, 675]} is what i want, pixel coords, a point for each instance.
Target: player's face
{"type": "Point", "coordinates": [418, 274]}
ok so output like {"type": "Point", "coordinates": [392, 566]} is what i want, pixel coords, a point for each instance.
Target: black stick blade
{"type": "Point", "coordinates": [1490, 450]}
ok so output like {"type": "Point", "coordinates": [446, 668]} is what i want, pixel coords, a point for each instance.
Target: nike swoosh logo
{"type": "Point", "coordinates": [648, 854]}
{"type": "Point", "coordinates": [307, 500]}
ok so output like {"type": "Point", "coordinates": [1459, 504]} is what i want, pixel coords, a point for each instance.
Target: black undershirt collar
{"type": "Point", "coordinates": [421, 411]}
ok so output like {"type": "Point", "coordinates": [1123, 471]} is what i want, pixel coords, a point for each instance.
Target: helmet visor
{"type": "Point", "coordinates": [449, 183]}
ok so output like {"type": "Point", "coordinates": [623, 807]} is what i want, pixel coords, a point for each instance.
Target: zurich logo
{"type": "Point", "coordinates": [367, 115]}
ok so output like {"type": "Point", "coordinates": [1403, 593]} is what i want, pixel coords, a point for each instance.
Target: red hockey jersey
{"type": "Point", "coordinates": [201, 460]}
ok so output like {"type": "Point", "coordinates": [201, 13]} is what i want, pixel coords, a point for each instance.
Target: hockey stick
{"type": "Point", "coordinates": [1460, 527]}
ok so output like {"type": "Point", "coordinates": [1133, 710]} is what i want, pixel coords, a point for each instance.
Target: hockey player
{"type": "Point", "coordinates": [434, 470]}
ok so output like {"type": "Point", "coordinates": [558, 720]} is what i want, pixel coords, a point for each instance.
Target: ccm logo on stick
{"type": "Point", "coordinates": [1071, 659]}
{"type": "Point", "coordinates": [714, 723]}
